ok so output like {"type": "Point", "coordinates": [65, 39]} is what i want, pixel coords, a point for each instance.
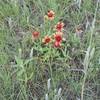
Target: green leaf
{"type": "Point", "coordinates": [19, 61]}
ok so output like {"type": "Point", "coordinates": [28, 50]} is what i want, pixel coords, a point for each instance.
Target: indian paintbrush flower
{"type": "Point", "coordinates": [46, 39]}
{"type": "Point", "coordinates": [59, 26]}
{"type": "Point", "coordinates": [51, 14]}
{"type": "Point", "coordinates": [35, 34]}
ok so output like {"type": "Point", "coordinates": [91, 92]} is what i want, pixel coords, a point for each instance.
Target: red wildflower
{"type": "Point", "coordinates": [35, 34]}
{"type": "Point", "coordinates": [50, 15]}
{"type": "Point", "coordinates": [57, 44]}
{"type": "Point", "coordinates": [46, 39]}
{"type": "Point", "coordinates": [59, 26]}
{"type": "Point", "coordinates": [58, 36]}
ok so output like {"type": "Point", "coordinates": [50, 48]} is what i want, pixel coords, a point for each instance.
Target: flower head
{"type": "Point", "coordinates": [51, 14]}
{"type": "Point", "coordinates": [46, 39]}
{"type": "Point", "coordinates": [58, 36]}
{"type": "Point", "coordinates": [59, 26]}
{"type": "Point", "coordinates": [35, 34]}
{"type": "Point", "coordinates": [57, 44]}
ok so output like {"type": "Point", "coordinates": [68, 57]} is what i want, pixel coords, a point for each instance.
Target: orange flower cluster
{"type": "Point", "coordinates": [56, 39]}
